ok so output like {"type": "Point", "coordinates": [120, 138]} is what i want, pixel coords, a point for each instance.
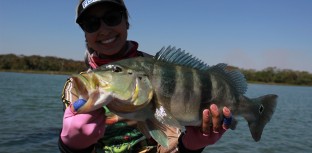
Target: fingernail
{"type": "Point", "coordinates": [206, 134]}
{"type": "Point", "coordinates": [214, 107]}
{"type": "Point", "coordinates": [227, 112]}
{"type": "Point", "coordinates": [225, 109]}
{"type": "Point", "coordinates": [206, 112]}
{"type": "Point", "coordinates": [79, 103]}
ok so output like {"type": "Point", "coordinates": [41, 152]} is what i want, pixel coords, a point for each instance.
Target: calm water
{"type": "Point", "coordinates": [31, 115]}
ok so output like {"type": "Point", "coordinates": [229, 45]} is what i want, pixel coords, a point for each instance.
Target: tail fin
{"type": "Point", "coordinates": [258, 113]}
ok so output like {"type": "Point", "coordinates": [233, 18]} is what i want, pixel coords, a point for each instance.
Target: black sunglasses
{"type": "Point", "coordinates": [92, 24]}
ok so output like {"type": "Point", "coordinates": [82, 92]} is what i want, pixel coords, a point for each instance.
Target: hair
{"type": "Point", "coordinates": [86, 57]}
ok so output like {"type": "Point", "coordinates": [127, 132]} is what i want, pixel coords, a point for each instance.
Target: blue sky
{"type": "Point", "coordinates": [244, 33]}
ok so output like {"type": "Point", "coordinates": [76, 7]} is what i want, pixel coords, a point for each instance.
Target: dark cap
{"type": "Point", "coordinates": [83, 5]}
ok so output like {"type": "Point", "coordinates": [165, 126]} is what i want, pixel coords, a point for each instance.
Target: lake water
{"type": "Point", "coordinates": [31, 118]}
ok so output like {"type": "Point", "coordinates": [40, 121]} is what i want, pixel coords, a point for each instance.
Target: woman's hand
{"type": "Point", "coordinates": [197, 138]}
{"type": "Point", "coordinates": [82, 130]}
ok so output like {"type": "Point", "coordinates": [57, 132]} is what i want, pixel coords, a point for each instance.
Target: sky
{"type": "Point", "coordinates": [249, 34]}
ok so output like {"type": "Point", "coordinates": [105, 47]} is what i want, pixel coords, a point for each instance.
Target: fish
{"type": "Point", "coordinates": [171, 89]}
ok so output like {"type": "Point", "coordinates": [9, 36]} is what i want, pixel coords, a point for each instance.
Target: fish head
{"type": "Point", "coordinates": [119, 87]}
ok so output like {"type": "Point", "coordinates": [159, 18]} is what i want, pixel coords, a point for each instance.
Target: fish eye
{"type": "Point", "coordinates": [117, 69]}
{"type": "Point", "coordinates": [261, 109]}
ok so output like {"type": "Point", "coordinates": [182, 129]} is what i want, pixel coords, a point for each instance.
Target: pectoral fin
{"type": "Point", "coordinates": [156, 131]}
{"type": "Point", "coordinates": [165, 117]}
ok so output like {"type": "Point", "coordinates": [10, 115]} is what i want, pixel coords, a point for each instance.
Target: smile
{"type": "Point", "coordinates": [108, 40]}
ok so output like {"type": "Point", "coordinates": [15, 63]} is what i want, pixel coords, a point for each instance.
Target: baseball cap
{"type": "Point", "coordinates": [83, 5]}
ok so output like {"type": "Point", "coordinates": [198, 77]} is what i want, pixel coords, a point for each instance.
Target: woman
{"type": "Point", "coordinates": [105, 24]}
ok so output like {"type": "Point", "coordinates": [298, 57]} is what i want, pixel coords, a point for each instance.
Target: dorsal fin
{"type": "Point", "coordinates": [177, 56]}
{"type": "Point", "coordinates": [233, 76]}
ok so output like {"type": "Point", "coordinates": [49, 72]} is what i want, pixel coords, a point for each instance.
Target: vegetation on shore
{"type": "Point", "coordinates": [39, 64]}
{"type": "Point", "coordinates": [55, 65]}
{"type": "Point", "coordinates": [273, 75]}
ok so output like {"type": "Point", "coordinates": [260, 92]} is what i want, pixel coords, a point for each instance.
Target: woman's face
{"type": "Point", "coordinates": [107, 40]}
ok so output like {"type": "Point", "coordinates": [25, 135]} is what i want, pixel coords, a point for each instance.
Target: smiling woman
{"type": "Point", "coordinates": [105, 26]}
{"type": "Point", "coordinates": [114, 19]}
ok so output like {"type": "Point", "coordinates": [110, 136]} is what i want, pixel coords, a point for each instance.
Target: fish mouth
{"type": "Point", "coordinates": [86, 84]}
{"type": "Point", "coordinates": [81, 82]}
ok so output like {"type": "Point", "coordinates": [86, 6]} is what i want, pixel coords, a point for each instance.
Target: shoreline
{"type": "Point", "coordinates": [70, 73]}
{"type": "Point", "coordinates": [39, 72]}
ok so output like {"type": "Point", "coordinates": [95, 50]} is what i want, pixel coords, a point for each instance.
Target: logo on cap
{"type": "Point", "coordinates": [88, 2]}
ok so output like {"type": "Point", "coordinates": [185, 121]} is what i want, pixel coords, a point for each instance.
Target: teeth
{"type": "Point", "coordinates": [108, 41]}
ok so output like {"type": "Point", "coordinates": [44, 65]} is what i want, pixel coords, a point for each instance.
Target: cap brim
{"type": "Point", "coordinates": [96, 3]}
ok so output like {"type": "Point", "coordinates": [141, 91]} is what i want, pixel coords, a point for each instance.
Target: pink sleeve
{"type": "Point", "coordinates": [82, 130]}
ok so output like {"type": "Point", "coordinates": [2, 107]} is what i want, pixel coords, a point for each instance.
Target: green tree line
{"type": "Point", "coordinates": [279, 76]}
{"type": "Point", "coordinates": [35, 63]}
{"type": "Point", "coordinates": [12, 62]}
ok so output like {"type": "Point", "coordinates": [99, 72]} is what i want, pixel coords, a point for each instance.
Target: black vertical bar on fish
{"type": "Point", "coordinates": [165, 83]}
{"type": "Point", "coordinates": [187, 82]}
{"type": "Point", "coordinates": [206, 87]}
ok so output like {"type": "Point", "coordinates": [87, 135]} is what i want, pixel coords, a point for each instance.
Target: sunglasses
{"type": "Point", "coordinates": [92, 24]}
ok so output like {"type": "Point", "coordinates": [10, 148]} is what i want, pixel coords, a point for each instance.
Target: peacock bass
{"type": "Point", "coordinates": [171, 88]}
